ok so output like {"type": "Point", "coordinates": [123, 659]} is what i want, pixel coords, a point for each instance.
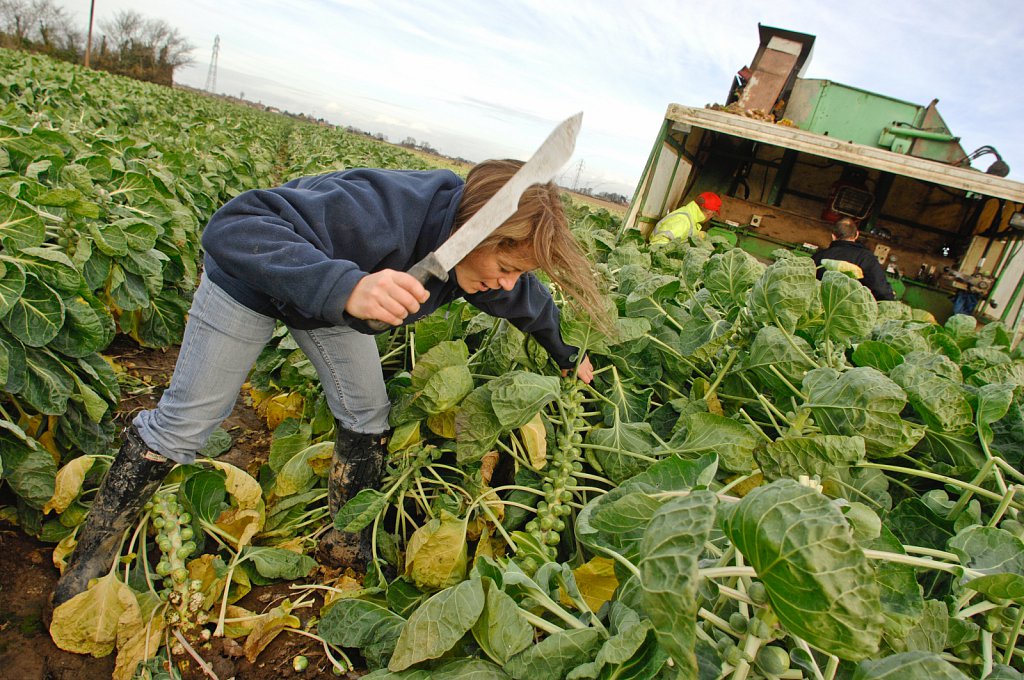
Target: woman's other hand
{"type": "Point", "coordinates": [585, 371]}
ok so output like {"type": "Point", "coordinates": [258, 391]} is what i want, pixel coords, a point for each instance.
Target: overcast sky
{"type": "Point", "coordinates": [490, 78]}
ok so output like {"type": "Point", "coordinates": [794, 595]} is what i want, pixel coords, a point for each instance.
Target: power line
{"type": "Point", "coordinates": [211, 75]}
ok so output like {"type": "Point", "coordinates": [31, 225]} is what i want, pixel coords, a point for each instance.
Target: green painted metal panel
{"type": "Point", "coordinates": [847, 113]}
{"type": "Point", "coordinates": [938, 302]}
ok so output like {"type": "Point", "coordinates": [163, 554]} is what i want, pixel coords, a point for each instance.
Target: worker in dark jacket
{"type": "Point", "coordinates": [324, 255]}
{"type": "Point", "coordinates": [846, 249]}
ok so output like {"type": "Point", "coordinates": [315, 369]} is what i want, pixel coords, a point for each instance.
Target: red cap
{"type": "Point", "coordinates": [709, 201]}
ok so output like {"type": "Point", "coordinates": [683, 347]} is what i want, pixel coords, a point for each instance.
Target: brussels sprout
{"type": "Point", "coordinates": [772, 660]}
{"type": "Point", "coordinates": [758, 593]}
{"type": "Point", "coordinates": [738, 622]}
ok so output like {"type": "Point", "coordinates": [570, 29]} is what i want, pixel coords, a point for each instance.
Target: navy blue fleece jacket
{"type": "Point", "coordinates": [295, 252]}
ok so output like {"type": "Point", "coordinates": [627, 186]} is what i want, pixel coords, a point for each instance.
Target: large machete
{"type": "Point", "coordinates": [546, 161]}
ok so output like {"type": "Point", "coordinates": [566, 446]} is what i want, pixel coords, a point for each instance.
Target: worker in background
{"type": "Point", "coordinates": [845, 250]}
{"type": "Point", "coordinates": [682, 222]}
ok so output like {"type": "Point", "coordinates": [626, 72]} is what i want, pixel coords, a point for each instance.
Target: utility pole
{"type": "Point", "coordinates": [211, 75]}
{"type": "Point", "coordinates": [88, 41]}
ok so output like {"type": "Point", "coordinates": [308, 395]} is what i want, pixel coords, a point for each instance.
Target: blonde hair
{"type": "Point", "coordinates": [538, 231]}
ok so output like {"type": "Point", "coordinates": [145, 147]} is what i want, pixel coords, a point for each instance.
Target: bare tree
{"type": "Point", "coordinates": [149, 49]}
{"type": "Point", "coordinates": [38, 24]}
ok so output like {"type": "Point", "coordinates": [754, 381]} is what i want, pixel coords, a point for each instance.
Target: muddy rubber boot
{"type": "Point", "coordinates": [358, 463]}
{"type": "Point", "coordinates": [133, 477]}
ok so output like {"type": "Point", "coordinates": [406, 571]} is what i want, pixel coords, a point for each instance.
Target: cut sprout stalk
{"type": "Point", "coordinates": [997, 515]}
{"type": "Point", "coordinates": [753, 424]}
{"type": "Point", "coordinates": [977, 490]}
{"type": "Point", "coordinates": [677, 356]}
{"type": "Point", "coordinates": [778, 374]}
{"type": "Point", "coordinates": [956, 569]}
{"type": "Point", "coordinates": [1011, 645]}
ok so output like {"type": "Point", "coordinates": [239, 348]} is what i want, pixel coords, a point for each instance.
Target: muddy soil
{"type": "Point", "coordinates": [27, 574]}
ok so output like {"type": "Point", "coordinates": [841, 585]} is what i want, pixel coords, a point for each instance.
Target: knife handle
{"type": "Point", "coordinates": [422, 271]}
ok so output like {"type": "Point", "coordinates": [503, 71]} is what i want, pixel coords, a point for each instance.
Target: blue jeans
{"type": "Point", "coordinates": [222, 341]}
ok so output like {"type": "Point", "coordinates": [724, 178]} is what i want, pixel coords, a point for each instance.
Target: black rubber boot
{"type": "Point", "coordinates": [358, 463]}
{"type": "Point", "coordinates": [133, 477]}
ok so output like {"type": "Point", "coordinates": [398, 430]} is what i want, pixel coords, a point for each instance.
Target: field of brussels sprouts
{"type": "Point", "coordinates": [770, 477]}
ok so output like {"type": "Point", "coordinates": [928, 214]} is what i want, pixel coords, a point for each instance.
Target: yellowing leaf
{"type": "Point", "coordinates": [497, 510]}
{"type": "Point", "coordinates": [238, 629]}
{"type": "Point", "coordinates": [487, 465]}
{"type": "Point", "coordinates": [436, 556]}
{"type": "Point", "coordinates": [241, 485]}
{"type": "Point", "coordinates": [346, 585]}
{"type": "Point", "coordinates": [138, 640]}
{"type": "Point", "coordinates": [278, 408]}
{"type": "Point", "coordinates": [714, 404]}
{"type": "Point", "coordinates": [267, 627]}
{"type": "Point", "coordinates": [297, 474]}
{"type": "Point", "coordinates": [87, 623]}
{"type": "Point", "coordinates": [210, 571]}
{"type": "Point", "coordinates": [443, 424]}
{"type": "Point", "coordinates": [68, 484]}
{"type": "Point", "coordinates": [240, 524]}
{"type": "Point", "coordinates": [50, 444]}
{"type": "Point", "coordinates": [62, 550]}
{"type": "Point", "coordinates": [535, 440]}
{"type": "Point", "coordinates": [405, 435]}
{"type": "Point", "coordinates": [240, 585]}
{"type": "Point", "coordinates": [596, 581]}
{"type": "Point", "coordinates": [744, 487]}
{"type": "Point", "coordinates": [489, 546]}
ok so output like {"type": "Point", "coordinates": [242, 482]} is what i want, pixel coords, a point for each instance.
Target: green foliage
{"type": "Point", "coordinates": [649, 525]}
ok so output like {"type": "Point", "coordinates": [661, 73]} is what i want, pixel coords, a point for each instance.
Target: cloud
{"type": "Point", "coordinates": [503, 72]}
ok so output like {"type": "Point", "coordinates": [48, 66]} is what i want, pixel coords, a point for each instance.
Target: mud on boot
{"type": "Point", "coordinates": [358, 463]}
{"type": "Point", "coordinates": [133, 477]}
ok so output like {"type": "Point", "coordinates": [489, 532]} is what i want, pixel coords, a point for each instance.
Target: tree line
{"type": "Point", "coordinates": [128, 44]}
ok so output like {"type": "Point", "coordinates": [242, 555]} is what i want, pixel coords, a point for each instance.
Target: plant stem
{"type": "Point", "coordinates": [718, 622]}
{"type": "Point", "coordinates": [479, 500]}
{"type": "Point", "coordinates": [1000, 510]}
{"type": "Point", "coordinates": [633, 569]}
{"type": "Point", "coordinates": [541, 623]}
{"type": "Point", "coordinates": [737, 595]}
{"type": "Point", "coordinates": [802, 644]}
{"type": "Point", "coordinates": [757, 428]}
{"type": "Point", "coordinates": [975, 609]}
{"type": "Point", "coordinates": [736, 482]}
{"type": "Point", "coordinates": [785, 380]}
{"type": "Point", "coordinates": [961, 503]}
{"type": "Point", "coordinates": [1014, 634]}
{"type": "Point", "coordinates": [207, 669]}
{"type": "Point", "coordinates": [721, 373]}
{"type": "Point", "coordinates": [832, 667]}
{"type": "Point", "coordinates": [677, 355]}
{"type": "Point", "coordinates": [327, 650]}
{"type": "Point", "coordinates": [956, 569]}
{"type": "Point", "coordinates": [751, 643]}
{"type": "Point", "coordinates": [1007, 468]}
{"type": "Point", "coordinates": [986, 653]}
{"type": "Point", "coordinates": [938, 554]}
{"type": "Point", "coordinates": [940, 478]}
{"type": "Point", "coordinates": [726, 572]}
{"type": "Point", "coordinates": [623, 452]}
